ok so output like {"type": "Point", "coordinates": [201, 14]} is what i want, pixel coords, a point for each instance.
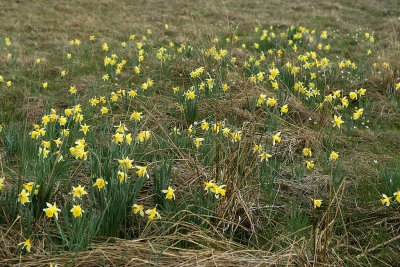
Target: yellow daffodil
{"type": "Point", "coordinates": [65, 132]}
{"type": "Point", "coordinates": [169, 193]}
{"type": "Point", "coordinates": [132, 93]}
{"type": "Point", "coordinates": [78, 191]}
{"type": "Point", "coordinates": [23, 197]}
{"type": "Point", "coordinates": [7, 41]}
{"type": "Point", "coordinates": [396, 194]}
{"type": "Point", "coordinates": [104, 110]}
{"type": "Point", "coordinates": [125, 163]}
{"type": "Point", "coordinates": [100, 183]}
{"type": "Point", "coordinates": [333, 156]}
{"type": "Point", "coordinates": [204, 126]}
{"type": "Point", "coordinates": [261, 100]}
{"type": "Point", "coordinates": [236, 136]}
{"type": "Point", "coordinates": [141, 171]}
{"type": "Point", "coordinates": [271, 102]}
{"type": "Point", "coordinates": [28, 186]}
{"type": "Point", "coordinates": [386, 200]}
{"type": "Point", "coordinates": [143, 136]}
{"type": "Point", "coordinates": [84, 129]}
{"type": "Point", "coordinates": [358, 113]}
{"type": "Point", "coordinates": [2, 183]}
{"type": "Point", "coordinates": [72, 90]}
{"type": "Point", "coordinates": [264, 156]}
{"type": "Point", "coordinates": [337, 121]}
{"type": "Point", "coordinates": [26, 245]}
{"type": "Point", "coordinates": [284, 109]}
{"type": "Point", "coordinates": [136, 116]}
{"type": "Point", "coordinates": [153, 214]}
{"type": "Point", "coordinates": [257, 148]}
{"type": "Point", "coordinates": [273, 73]}
{"type": "Point", "coordinates": [353, 95]}
{"type": "Point", "coordinates": [310, 164]}
{"type": "Point", "coordinates": [122, 176]}
{"type": "Point", "coordinates": [68, 112]}
{"type": "Point", "coordinates": [45, 119]}
{"type": "Point", "coordinates": [128, 138]}
{"type": "Point", "coordinates": [118, 138]}
{"type": "Point", "coordinates": [77, 211]}
{"type": "Point", "coordinates": [62, 120]}
{"type": "Point", "coordinates": [121, 128]}
{"type": "Point", "coordinates": [198, 142]}
{"type": "Point", "coordinates": [218, 191]}
{"type": "Point", "coordinates": [36, 191]}
{"type": "Point", "coordinates": [105, 77]}
{"type": "Point", "coordinates": [138, 209]}
{"type": "Point", "coordinates": [344, 101]}
{"type": "Point", "coordinates": [190, 95]}
{"type": "Point", "coordinates": [226, 131]}
{"type": "Point", "coordinates": [316, 202]}
{"type": "Point", "coordinates": [176, 131]}
{"type": "Point", "coordinates": [307, 152]}
{"type": "Point", "coordinates": [78, 151]}
{"type": "Point", "coordinates": [276, 138]}
{"type": "Point", "coordinates": [51, 210]}
{"type": "Point", "coordinates": [209, 184]}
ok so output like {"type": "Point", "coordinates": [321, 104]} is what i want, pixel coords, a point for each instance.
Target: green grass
{"type": "Point", "coordinates": [266, 214]}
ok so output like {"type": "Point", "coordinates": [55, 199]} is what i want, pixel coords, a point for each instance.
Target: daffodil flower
{"type": "Point", "coordinates": [386, 200]}
{"type": "Point", "coordinates": [138, 209]}
{"type": "Point", "coordinates": [78, 191]}
{"type": "Point", "coordinates": [77, 211]}
{"type": "Point", "coordinates": [396, 194]}
{"type": "Point", "coordinates": [264, 156]}
{"type": "Point", "coordinates": [100, 183]}
{"type": "Point", "coordinates": [337, 121]}
{"type": "Point", "coordinates": [276, 138]}
{"type": "Point", "coordinates": [141, 171]}
{"type": "Point", "coordinates": [26, 245]}
{"type": "Point", "coordinates": [51, 210]}
{"type": "Point", "coordinates": [169, 193]}
{"type": "Point", "coordinates": [125, 163]}
{"type": "Point", "coordinates": [2, 183]}
{"type": "Point", "coordinates": [333, 156]}
{"type": "Point", "coordinates": [307, 152]}
{"type": "Point", "coordinates": [23, 197]}
{"type": "Point", "coordinates": [198, 141]}
{"type": "Point", "coordinates": [153, 214]}
{"type": "Point", "coordinates": [316, 202]}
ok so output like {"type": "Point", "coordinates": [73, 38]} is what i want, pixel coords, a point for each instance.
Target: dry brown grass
{"type": "Point", "coordinates": [208, 249]}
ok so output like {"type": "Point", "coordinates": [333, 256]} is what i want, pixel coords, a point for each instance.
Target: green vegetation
{"type": "Point", "coordinates": [223, 133]}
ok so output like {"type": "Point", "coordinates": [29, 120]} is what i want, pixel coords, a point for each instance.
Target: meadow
{"type": "Point", "coordinates": [179, 133]}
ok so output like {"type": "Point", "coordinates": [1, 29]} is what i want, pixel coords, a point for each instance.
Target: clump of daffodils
{"type": "Point", "coordinates": [115, 139]}
{"type": "Point", "coordinates": [78, 151]}
{"type": "Point", "coordinates": [217, 190]}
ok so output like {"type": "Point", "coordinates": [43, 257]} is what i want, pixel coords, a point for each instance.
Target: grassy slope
{"type": "Point", "coordinates": [43, 27]}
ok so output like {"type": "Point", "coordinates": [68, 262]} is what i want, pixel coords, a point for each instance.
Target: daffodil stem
{"type": "Point", "coordinates": [61, 232]}
{"type": "Point", "coordinates": [328, 211]}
